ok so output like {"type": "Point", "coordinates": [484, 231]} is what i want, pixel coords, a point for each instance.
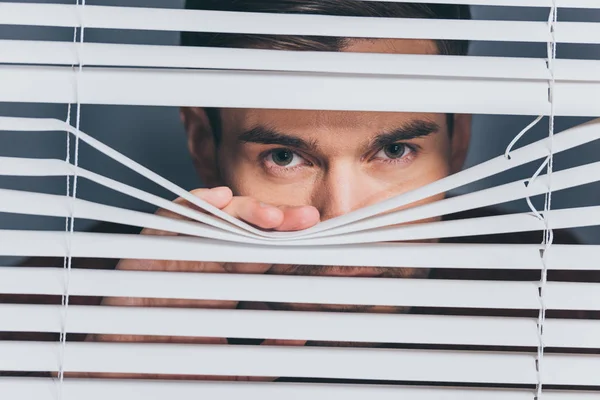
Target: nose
{"type": "Point", "coordinates": [343, 189]}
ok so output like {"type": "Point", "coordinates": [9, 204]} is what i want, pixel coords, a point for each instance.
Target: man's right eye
{"type": "Point", "coordinates": [284, 158]}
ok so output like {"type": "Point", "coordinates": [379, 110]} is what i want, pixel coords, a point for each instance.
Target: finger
{"type": "Point", "coordinates": [298, 218]}
{"type": "Point", "coordinates": [252, 211]}
{"type": "Point", "coordinates": [218, 197]}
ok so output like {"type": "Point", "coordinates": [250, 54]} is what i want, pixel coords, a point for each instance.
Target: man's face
{"type": "Point", "coordinates": [335, 161]}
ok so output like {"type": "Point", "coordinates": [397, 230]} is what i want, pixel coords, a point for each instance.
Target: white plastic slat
{"type": "Point", "coordinates": [302, 289]}
{"type": "Point", "coordinates": [280, 289]}
{"type": "Point", "coordinates": [310, 362]}
{"type": "Point", "coordinates": [563, 369]}
{"type": "Point", "coordinates": [285, 325]}
{"type": "Point", "coordinates": [102, 54]}
{"type": "Point", "coordinates": [96, 389]}
{"type": "Point", "coordinates": [418, 255]}
{"type": "Point", "coordinates": [256, 89]}
{"type": "Point", "coordinates": [424, 255]}
{"type": "Point", "coordinates": [291, 24]}
{"type": "Point", "coordinates": [574, 333]}
{"type": "Point", "coordinates": [572, 296]}
{"type": "Point", "coordinates": [507, 3]}
{"type": "Point", "coordinates": [313, 91]}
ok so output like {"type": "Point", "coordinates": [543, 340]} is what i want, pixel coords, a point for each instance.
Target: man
{"type": "Point", "coordinates": [288, 169]}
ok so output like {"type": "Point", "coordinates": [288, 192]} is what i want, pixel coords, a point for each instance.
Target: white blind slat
{"type": "Point", "coordinates": [572, 333]}
{"type": "Point", "coordinates": [562, 369]}
{"type": "Point", "coordinates": [314, 362]}
{"type": "Point", "coordinates": [289, 289]}
{"type": "Point", "coordinates": [77, 389]}
{"type": "Point", "coordinates": [422, 255]}
{"type": "Point", "coordinates": [99, 245]}
{"type": "Point", "coordinates": [506, 3]}
{"type": "Point", "coordinates": [302, 289]}
{"type": "Point", "coordinates": [256, 89]}
{"type": "Point", "coordinates": [572, 296]}
{"type": "Point", "coordinates": [345, 327]}
{"type": "Point", "coordinates": [103, 54]}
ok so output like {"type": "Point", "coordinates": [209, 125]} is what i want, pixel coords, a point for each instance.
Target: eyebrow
{"type": "Point", "coordinates": [412, 130]}
{"type": "Point", "coordinates": [263, 135]}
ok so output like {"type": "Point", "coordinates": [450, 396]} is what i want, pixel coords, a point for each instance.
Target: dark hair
{"type": "Point", "coordinates": [316, 43]}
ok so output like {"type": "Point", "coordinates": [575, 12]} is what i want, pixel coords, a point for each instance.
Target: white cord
{"type": "Point", "coordinates": [520, 135]}
{"type": "Point", "coordinates": [70, 221]}
{"type": "Point", "coordinates": [548, 233]}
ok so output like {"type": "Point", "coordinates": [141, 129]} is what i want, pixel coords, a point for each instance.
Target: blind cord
{"type": "Point", "coordinates": [70, 221]}
{"type": "Point", "coordinates": [520, 135]}
{"type": "Point", "coordinates": [548, 233]}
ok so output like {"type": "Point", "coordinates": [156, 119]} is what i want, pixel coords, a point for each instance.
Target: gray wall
{"type": "Point", "coordinates": [153, 135]}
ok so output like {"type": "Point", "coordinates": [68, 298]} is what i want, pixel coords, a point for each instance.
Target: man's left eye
{"type": "Point", "coordinates": [394, 151]}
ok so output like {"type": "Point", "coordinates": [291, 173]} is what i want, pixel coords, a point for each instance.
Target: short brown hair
{"type": "Point", "coordinates": [355, 8]}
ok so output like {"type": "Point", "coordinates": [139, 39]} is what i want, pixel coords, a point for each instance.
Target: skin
{"type": "Point", "coordinates": [287, 170]}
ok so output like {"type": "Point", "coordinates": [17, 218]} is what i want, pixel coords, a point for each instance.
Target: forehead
{"type": "Point", "coordinates": [391, 46]}
{"type": "Point", "coordinates": [235, 121]}
{"type": "Point", "coordinates": [304, 122]}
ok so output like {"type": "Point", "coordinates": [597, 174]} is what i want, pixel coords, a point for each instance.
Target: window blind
{"type": "Point", "coordinates": [488, 356]}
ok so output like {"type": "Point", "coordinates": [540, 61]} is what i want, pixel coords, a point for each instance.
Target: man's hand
{"type": "Point", "coordinates": [252, 211]}
{"type": "Point", "coordinates": [261, 215]}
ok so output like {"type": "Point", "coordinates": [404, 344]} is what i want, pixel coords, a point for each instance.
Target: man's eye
{"type": "Point", "coordinates": [285, 158]}
{"type": "Point", "coordinates": [394, 151]}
